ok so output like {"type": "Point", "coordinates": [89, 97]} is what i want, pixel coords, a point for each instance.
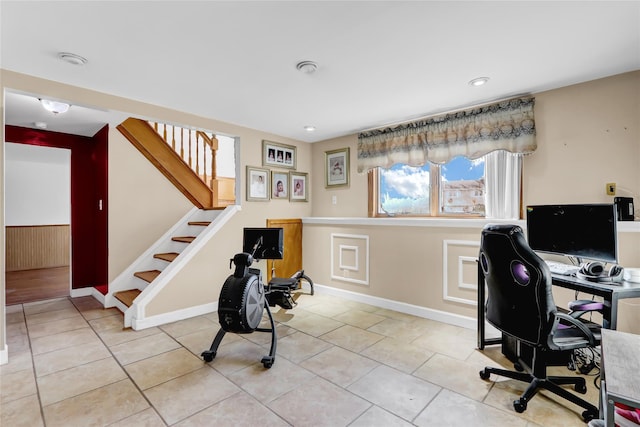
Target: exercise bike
{"type": "Point", "coordinates": [240, 306]}
{"type": "Point", "coordinates": [244, 296]}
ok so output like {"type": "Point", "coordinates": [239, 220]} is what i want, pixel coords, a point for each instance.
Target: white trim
{"type": "Point", "coordinates": [82, 292]}
{"type": "Point", "coordinates": [622, 226]}
{"type": "Point", "coordinates": [349, 267]}
{"type": "Point", "coordinates": [137, 309]}
{"type": "Point", "coordinates": [4, 355]}
{"type": "Point", "coordinates": [366, 258]}
{"type": "Point", "coordinates": [461, 261]}
{"type": "Point", "coordinates": [427, 313]}
{"type": "Point", "coordinates": [173, 316]}
{"type": "Point", "coordinates": [445, 278]}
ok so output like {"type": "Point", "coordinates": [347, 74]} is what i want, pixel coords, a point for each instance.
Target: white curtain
{"type": "Point", "coordinates": [503, 172]}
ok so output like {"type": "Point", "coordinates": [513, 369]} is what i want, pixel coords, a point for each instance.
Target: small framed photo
{"type": "Point", "coordinates": [279, 185]}
{"type": "Point", "coordinates": [336, 167]}
{"type": "Point", "coordinates": [299, 187]}
{"type": "Point", "coordinates": [278, 155]}
{"type": "Point", "coordinates": [257, 184]}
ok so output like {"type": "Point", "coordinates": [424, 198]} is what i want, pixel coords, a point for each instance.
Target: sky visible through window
{"type": "Point", "coordinates": [405, 189]}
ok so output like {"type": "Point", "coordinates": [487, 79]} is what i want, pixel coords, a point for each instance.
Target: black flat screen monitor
{"type": "Point", "coordinates": [263, 243]}
{"type": "Point", "coordinates": [579, 231]}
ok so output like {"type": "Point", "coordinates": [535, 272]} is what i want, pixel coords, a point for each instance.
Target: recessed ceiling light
{"type": "Point", "coordinates": [54, 106]}
{"type": "Point", "coordinates": [479, 81]}
{"type": "Point", "coordinates": [72, 58]}
{"type": "Point", "coordinates": [309, 128]}
{"type": "Point", "coordinates": [307, 67]}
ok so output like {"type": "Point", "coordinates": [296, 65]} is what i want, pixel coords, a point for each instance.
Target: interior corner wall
{"type": "Point", "coordinates": [588, 134]}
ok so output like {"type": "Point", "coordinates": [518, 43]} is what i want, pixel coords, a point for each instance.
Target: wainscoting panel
{"type": "Point", "coordinates": [460, 274]}
{"type": "Point", "coordinates": [350, 258]}
{"type": "Point", "coordinates": [32, 247]}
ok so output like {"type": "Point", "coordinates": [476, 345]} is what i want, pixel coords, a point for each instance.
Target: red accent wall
{"type": "Point", "coordinates": [89, 180]}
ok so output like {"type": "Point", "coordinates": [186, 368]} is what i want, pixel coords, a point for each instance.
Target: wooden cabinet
{"type": "Point", "coordinates": [292, 258]}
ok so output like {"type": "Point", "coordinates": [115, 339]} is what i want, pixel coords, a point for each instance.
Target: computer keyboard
{"type": "Point", "coordinates": [562, 268]}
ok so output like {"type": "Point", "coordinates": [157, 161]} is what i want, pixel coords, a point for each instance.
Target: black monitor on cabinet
{"type": "Point", "coordinates": [581, 231]}
{"type": "Point", "coordinates": [263, 243]}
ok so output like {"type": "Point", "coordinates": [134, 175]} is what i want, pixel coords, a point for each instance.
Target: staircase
{"type": "Point", "coordinates": [135, 287]}
{"type": "Point", "coordinates": [186, 157]}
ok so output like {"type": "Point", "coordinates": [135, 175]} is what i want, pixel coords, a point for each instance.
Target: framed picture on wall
{"type": "Point", "coordinates": [299, 187]}
{"type": "Point", "coordinates": [257, 184]}
{"type": "Point", "coordinates": [336, 167]}
{"type": "Point", "coordinates": [278, 155]}
{"type": "Point", "coordinates": [279, 185]}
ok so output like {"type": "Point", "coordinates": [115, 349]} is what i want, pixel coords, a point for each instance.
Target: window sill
{"type": "Point", "coordinates": [623, 226]}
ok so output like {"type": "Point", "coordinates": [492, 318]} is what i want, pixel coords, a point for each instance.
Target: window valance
{"type": "Point", "coordinates": [506, 125]}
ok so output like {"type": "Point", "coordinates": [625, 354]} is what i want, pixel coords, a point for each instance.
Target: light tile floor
{"type": "Point", "coordinates": [338, 363]}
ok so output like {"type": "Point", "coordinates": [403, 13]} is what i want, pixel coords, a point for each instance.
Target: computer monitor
{"type": "Point", "coordinates": [263, 243]}
{"type": "Point", "coordinates": [581, 231]}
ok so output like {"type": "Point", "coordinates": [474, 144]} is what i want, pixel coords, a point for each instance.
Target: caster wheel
{"type": "Point", "coordinates": [484, 374]}
{"type": "Point", "coordinates": [208, 356]}
{"type": "Point", "coordinates": [580, 388]}
{"type": "Point", "coordinates": [267, 361]}
{"type": "Point", "coordinates": [519, 406]}
{"type": "Point", "coordinates": [518, 367]}
{"type": "Point", "coordinates": [588, 416]}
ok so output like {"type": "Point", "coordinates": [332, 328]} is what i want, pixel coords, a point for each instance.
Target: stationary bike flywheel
{"type": "Point", "coordinates": [241, 304]}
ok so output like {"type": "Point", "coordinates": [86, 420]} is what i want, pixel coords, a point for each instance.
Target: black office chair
{"type": "Point", "coordinates": [520, 304]}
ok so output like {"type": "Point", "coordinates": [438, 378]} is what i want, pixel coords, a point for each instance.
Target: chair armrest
{"type": "Point", "coordinates": [577, 323]}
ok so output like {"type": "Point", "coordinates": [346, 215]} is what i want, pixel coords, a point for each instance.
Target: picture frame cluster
{"type": "Point", "coordinates": [264, 184]}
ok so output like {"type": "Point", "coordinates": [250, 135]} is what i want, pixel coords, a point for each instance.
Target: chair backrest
{"type": "Point", "coordinates": [519, 298]}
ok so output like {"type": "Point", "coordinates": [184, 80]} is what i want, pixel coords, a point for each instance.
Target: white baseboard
{"type": "Point", "coordinates": [402, 307]}
{"type": "Point", "coordinates": [163, 319]}
{"type": "Point", "coordinates": [82, 292]}
{"type": "Point", "coordinates": [4, 355]}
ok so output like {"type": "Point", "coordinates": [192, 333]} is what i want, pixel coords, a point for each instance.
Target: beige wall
{"type": "Point", "coordinates": [587, 134]}
{"type": "Point", "coordinates": [143, 205]}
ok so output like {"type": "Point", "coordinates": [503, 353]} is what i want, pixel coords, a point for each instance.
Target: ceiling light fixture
{"type": "Point", "coordinates": [72, 58]}
{"type": "Point", "coordinates": [479, 81]}
{"type": "Point", "coordinates": [54, 106]}
{"type": "Point", "coordinates": [307, 67]}
{"type": "Point", "coordinates": [310, 128]}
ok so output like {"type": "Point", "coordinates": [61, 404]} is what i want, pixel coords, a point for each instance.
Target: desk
{"type": "Point", "coordinates": [620, 372]}
{"type": "Point", "coordinates": [610, 293]}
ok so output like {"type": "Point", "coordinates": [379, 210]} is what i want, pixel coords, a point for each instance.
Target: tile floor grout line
{"type": "Point", "coordinates": [144, 396]}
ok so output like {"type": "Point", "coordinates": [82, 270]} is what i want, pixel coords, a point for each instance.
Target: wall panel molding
{"type": "Point", "coordinates": [462, 281]}
{"type": "Point", "coordinates": [350, 258]}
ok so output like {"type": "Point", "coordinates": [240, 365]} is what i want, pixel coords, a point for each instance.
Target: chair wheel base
{"type": "Point", "coordinates": [589, 415]}
{"type": "Point", "coordinates": [519, 405]}
{"type": "Point", "coordinates": [208, 356]}
{"type": "Point", "coordinates": [484, 374]}
{"type": "Point", "coordinates": [267, 361]}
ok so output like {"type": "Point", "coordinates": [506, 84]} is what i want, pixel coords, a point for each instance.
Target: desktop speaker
{"type": "Point", "coordinates": [624, 208]}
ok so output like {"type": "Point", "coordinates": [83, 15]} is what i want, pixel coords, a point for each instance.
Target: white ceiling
{"type": "Point", "coordinates": [380, 62]}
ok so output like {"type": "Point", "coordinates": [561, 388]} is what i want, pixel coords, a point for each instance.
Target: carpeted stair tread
{"type": "Point", "coordinates": [183, 239]}
{"type": "Point", "coordinates": [127, 297]}
{"type": "Point", "coordinates": [147, 276]}
{"type": "Point", "coordinates": [169, 256]}
{"type": "Point", "coordinates": [202, 223]}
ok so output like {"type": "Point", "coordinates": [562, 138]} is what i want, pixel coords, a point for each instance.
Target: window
{"type": "Point", "coordinates": [460, 187]}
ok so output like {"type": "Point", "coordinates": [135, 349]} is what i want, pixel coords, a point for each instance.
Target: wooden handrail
{"type": "Point", "coordinates": [199, 144]}
{"type": "Point", "coordinates": [187, 157]}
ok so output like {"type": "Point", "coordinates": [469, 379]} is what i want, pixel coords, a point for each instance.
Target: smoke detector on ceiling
{"type": "Point", "coordinates": [72, 58]}
{"type": "Point", "coordinates": [307, 67]}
